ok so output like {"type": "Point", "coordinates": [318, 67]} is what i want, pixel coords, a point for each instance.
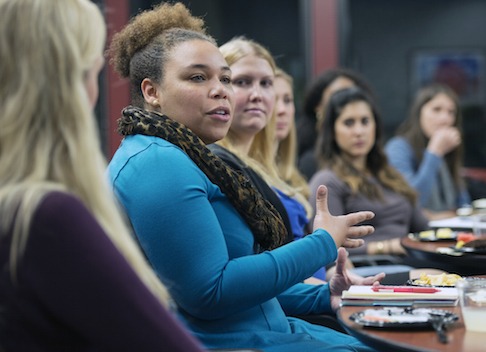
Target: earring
{"type": "Point", "coordinates": [155, 102]}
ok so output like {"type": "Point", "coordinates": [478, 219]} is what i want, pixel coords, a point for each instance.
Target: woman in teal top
{"type": "Point", "coordinates": [209, 235]}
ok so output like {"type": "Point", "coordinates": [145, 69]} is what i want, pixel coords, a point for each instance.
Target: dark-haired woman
{"type": "Point", "coordinates": [358, 176]}
{"type": "Point", "coordinates": [315, 100]}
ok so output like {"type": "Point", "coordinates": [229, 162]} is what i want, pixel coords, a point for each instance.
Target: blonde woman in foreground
{"type": "Point", "coordinates": [72, 278]}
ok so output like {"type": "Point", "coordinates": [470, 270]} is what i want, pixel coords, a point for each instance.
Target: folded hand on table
{"type": "Point", "coordinates": [342, 279]}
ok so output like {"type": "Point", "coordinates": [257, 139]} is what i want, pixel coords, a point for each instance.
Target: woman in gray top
{"type": "Point", "coordinates": [358, 176]}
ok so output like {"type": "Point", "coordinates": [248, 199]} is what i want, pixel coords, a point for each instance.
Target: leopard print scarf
{"type": "Point", "coordinates": [260, 215]}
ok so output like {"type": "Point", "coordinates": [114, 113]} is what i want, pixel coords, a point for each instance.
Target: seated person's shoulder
{"type": "Point", "coordinates": [58, 203]}
{"type": "Point", "coordinates": [325, 176]}
{"type": "Point", "coordinates": [60, 212]}
{"type": "Point", "coordinates": [397, 142]}
{"type": "Point", "coordinates": [154, 158]}
{"type": "Point", "coordinates": [228, 157]}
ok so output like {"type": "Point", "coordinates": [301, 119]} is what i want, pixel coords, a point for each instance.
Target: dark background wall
{"type": "Point", "coordinates": [378, 38]}
{"type": "Point", "coordinates": [274, 23]}
{"type": "Point", "coordinates": [384, 36]}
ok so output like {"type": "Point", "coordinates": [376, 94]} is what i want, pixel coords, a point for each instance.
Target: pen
{"type": "Point", "coordinates": [404, 289]}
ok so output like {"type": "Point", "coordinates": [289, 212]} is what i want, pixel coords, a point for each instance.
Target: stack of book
{"type": "Point", "coordinates": [402, 296]}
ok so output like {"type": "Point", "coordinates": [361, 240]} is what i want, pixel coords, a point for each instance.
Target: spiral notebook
{"type": "Point", "coordinates": [366, 296]}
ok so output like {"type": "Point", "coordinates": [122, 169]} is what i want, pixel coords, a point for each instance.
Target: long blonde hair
{"type": "Point", "coordinates": [286, 154]}
{"type": "Point", "coordinates": [49, 139]}
{"type": "Point", "coordinates": [261, 156]}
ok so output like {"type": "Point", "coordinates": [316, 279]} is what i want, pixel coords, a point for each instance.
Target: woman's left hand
{"type": "Point", "coordinates": [343, 279]}
{"type": "Point", "coordinates": [343, 228]}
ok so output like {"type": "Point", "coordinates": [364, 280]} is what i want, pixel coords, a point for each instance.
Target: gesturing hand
{"type": "Point", "coordinates": [341, 228]}
{"type": "Point", "coordinates": [342, 279]}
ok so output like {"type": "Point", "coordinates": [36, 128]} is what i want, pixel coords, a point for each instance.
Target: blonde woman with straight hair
{"type": "Point", "coordinates": [251, 137]}
{"type": "Point", "coordinates": [286, 141]}
{"type": "Point", "coordinates": [73, 277]}
{"type": "Point", "coordinates": [286, 137]}
{"type": "Point", "coordinates": [296, 193]}
{"type": "Point", "coordinates": [258, 142]}
{"type": "Point", "coordinates": [256, 148]}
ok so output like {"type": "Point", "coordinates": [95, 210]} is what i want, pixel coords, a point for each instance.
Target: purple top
{"type": "Point", "coordinates": [75, 291]}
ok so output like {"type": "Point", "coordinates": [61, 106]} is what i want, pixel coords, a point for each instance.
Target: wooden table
{"type": "Point", "coordinates": [465, 265]}
{"type": "Point", "coordinates": [413, 339]}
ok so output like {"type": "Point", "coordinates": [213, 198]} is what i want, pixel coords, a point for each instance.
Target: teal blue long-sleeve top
{"type": "Point", "coordinates": [202, 250]}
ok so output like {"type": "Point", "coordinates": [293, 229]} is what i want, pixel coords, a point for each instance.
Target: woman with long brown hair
{"type": "Point", "coordinates": [358, 175]}
{"type": "Point", "coordinates": [428, 151]}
